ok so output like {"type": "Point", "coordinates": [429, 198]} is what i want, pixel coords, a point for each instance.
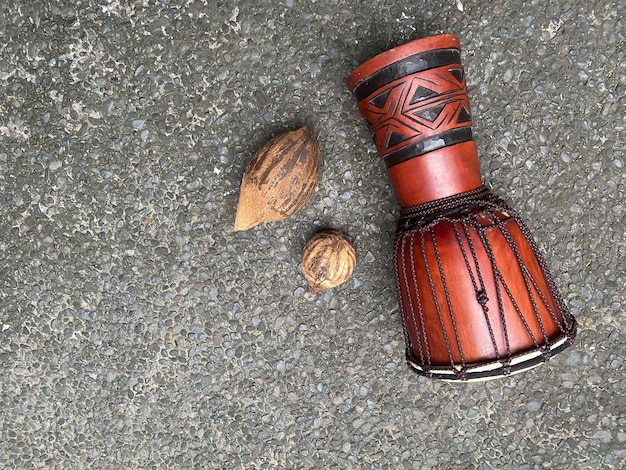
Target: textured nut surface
{"type": "Point", "coordinates": [280, 178]}
{"type": "Point", "coordinates": [328, 260]}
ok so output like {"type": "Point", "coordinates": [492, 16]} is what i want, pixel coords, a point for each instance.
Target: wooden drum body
{"type": "Point", "coordinates": [476, 297]}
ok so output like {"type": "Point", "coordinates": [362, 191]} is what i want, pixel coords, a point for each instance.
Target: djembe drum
{"type": "Point", "coordinates": [476, 298]}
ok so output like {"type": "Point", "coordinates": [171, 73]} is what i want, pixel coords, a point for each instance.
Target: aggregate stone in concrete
{"type": "Point", "coordinates": [137, 330]}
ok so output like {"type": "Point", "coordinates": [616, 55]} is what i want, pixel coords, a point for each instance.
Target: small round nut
{"type": "Point", "coordinates": [328, 260]}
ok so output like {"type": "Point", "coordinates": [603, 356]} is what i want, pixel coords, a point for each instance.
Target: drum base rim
{"type": "Point", "coordinates": [492, 370]}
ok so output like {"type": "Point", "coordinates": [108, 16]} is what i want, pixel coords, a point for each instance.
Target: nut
{"type": "Point", "coordinates": [328, 260]}
{"type": "Point", "coordinates": [280, 178]}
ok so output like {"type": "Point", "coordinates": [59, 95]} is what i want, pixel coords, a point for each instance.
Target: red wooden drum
{"type": "Point", "coordinates": [476, 297]}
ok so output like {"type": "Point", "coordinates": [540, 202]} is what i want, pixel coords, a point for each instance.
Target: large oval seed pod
{"type": "Point", "coordinates": [328, 260]}
{"type": "Point", "coordinates": [280, 178]}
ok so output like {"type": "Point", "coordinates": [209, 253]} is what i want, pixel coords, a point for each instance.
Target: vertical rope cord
{"type": "Point", "coordinates": [420, 308]}
{"type": "Point", "coordinates": [498, 279]}
{"type": "Point", "coordinates": [424, 355]}
{"type": "Point", "coordinates": [481, 295]}
{"type": "Point", "coordinates": [433, 291]}
{"type": "Point", "coordinates": [525, 276]}
{"type": "Point", "coordinates": [448, 300]}
{"type": "Point", "coordinates": [401, 262]}
{"type": "Point", "coordinates": [568, 319]}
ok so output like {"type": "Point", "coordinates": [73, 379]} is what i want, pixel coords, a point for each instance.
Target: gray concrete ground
{"type": "Point", "coordinates": [139, 331]}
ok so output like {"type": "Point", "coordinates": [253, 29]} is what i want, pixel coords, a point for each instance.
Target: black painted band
{"type": "Point", "coordinates": [407, 66]}
{"type": "Point", "coordinates": [428, 144]}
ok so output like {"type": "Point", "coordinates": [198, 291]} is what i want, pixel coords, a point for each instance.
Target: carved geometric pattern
{"type": "Point", "coordinates": [416, 107]}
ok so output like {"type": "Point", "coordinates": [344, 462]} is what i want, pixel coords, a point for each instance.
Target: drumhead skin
{"type": "Point", "coordinates": [476, 297]}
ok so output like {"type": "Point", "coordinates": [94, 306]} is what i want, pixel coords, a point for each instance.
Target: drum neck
{"type": "Point", "coordinates": [437, 174]}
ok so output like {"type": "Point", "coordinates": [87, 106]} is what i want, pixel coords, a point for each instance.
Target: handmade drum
{"type": "Point", "coordinates": [476, 297]}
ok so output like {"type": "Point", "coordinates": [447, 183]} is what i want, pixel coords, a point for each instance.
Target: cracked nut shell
{"type": "Point", "coordinates": [328, 260]}
{"type": "Point", "coordinates": [280, 178]}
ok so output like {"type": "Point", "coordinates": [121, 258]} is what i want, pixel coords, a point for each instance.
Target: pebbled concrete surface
{"type": "Point", "coordinates": [139, 331]}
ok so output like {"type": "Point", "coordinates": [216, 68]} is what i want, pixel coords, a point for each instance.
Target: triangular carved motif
{"type": "Point", "coordinates": [457, 73]}
{"type": "Point", "coordinates": [422, 93]}
{"type": "Point", "coordinates": [464, 115]}
{"type": "Point", "coordinates": [395, 138]}
{"type": "Point", "coordinates": [380, 100]}
{"type": "Point", "coordinates": [430, 114]}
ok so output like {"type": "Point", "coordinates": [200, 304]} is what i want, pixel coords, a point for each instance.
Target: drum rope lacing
{"type": "Point", "coordinates": [478, 210]}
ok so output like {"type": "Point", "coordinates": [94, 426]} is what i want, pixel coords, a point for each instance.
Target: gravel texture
{"type": "Point", "coordinates": [137, 330]}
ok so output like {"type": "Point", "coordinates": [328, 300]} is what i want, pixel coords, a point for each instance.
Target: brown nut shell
{"type": "Point", "coordinates": [280, 178]}
{"type": "Point", "coordinates": [328, 260]}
